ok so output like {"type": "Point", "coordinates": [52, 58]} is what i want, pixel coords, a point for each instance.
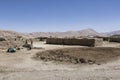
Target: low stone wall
{"type": "Point", "coordinates": [54, 41]}
{"type": "Point", "coordinates": [82, 41]}
{"type": "Point", "coordinates": [114, 39]}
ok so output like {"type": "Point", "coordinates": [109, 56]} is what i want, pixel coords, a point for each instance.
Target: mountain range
{"type": "Point", "coordinates": [84, 32]}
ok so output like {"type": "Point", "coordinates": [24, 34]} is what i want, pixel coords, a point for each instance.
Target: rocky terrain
{"type": "Point", "coordinates": [8, 33]}
{"type": "Point", "coordinates": [96, 55]}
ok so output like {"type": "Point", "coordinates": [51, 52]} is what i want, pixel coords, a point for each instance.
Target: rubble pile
{"type": "Point", "coordinates": [58, 55]}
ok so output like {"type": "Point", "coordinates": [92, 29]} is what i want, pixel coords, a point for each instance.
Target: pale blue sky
{"type": "Point", "coordinates": [59, 15]}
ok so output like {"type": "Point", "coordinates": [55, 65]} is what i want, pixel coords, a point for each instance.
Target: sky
{"type": "Point", "coordinates": [59, 15]}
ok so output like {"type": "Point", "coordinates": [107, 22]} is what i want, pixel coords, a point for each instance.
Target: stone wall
{"type": "Point", "coordinates": [83, 41]}
{"type": "Point", "coordinates": [114, 39]}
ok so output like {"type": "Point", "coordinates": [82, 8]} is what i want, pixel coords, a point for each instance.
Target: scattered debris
{"type": "Point", "coordinates": [2, 39]}
{"type": "Point", "coordinates": [27, 45]}
{"type": "Point", "coordinates": [82, 60]}
{"type": "Point", "coordinates": [38, 48]}
{"type": "Point", "coordinates": [61, 57]}
{"type": "Point", "coordinates": [91, 62]}
{"type": "Point", "coordinates": [18, 48]}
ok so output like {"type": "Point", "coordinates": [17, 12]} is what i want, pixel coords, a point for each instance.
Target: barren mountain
{"type": "Point", "coordinates": [8, 33]}
{"type": "Point", "coordinates": [85, 32]}
{"type": "Point", "coordinates": [89, 32]}
{"type": "Point", "coordinates": [114, 33]}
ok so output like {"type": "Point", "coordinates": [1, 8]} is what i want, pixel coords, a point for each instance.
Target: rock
{"type": "Point", "coordinates": [42, 58]}
{"type": "Point", "coordinates": [82, 60]}
{"type": "Point", "coordinates": [91, 62]}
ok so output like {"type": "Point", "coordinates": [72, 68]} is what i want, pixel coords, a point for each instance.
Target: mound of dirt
{"type": "Point", "coordinates": [96, 55]}
{"type": "Point", "coordinates": [59, 56]}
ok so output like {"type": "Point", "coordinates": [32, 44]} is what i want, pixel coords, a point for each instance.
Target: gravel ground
{"type": "Point", "coordinates": [20, 66]}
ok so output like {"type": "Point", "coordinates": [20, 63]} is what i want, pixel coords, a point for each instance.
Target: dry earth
{"type": "Point", "coordinates": [21, 66]}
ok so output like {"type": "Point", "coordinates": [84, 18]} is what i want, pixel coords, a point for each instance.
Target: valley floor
{"type": "Point", "coordinates": [21, 66]}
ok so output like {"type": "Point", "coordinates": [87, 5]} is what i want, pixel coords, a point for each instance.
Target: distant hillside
{"type": "Point", "coordinates": [8, 33]}
{"type": "Point", "coordinates": [89, 32]}
{"type": "Point", "coordinates": [85, 32]}
{"type": "Point", "coordinates": [114, 33]}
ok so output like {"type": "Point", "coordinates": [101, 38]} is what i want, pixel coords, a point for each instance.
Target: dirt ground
{"type": "Point", "coordinates": [21, 66]}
